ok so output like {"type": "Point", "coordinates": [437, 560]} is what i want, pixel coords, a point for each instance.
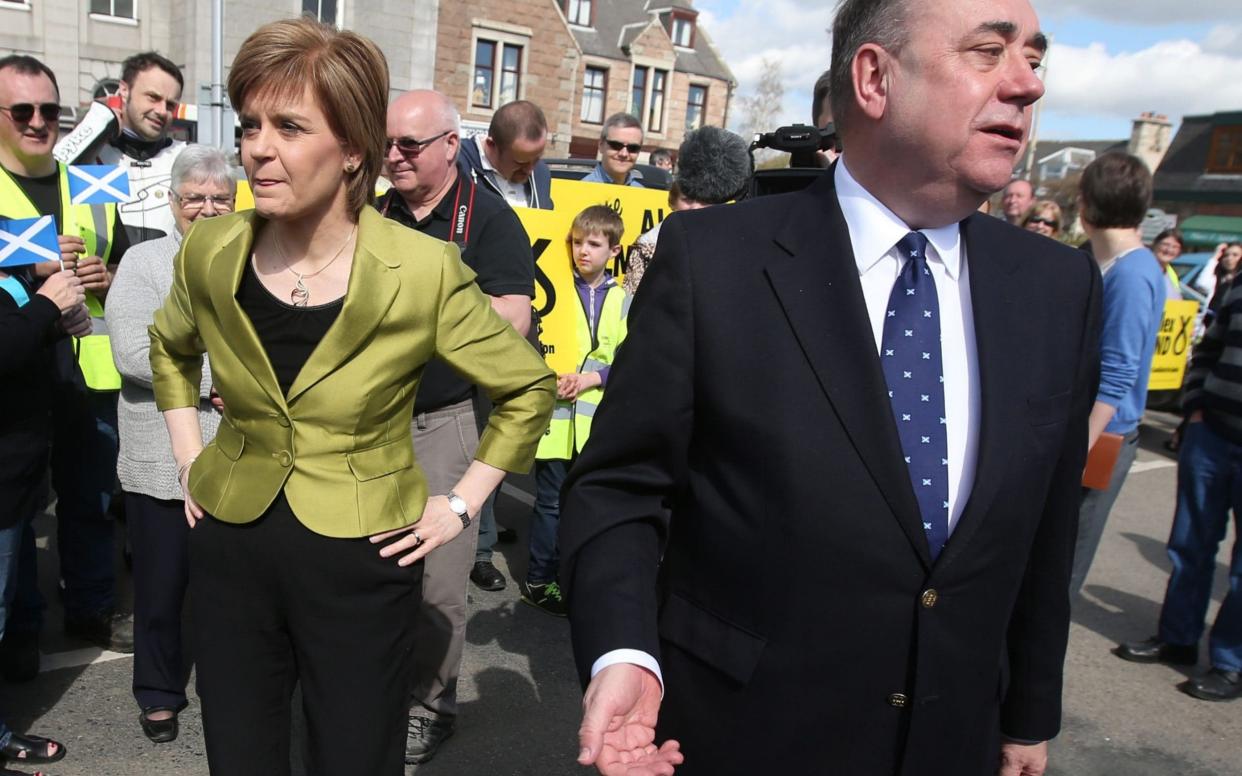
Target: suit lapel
{"type": "Point", "coordinates": [993, 283]}
{"type": "Point", "coordinates": [372, 288]}
{"type": "Point", "coordinates": [818, 287]}
{"type": "Point", "coordinates": [227, 265]}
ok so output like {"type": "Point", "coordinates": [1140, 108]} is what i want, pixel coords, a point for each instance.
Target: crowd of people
{"type": "Point", "coordinates": [307, 408]}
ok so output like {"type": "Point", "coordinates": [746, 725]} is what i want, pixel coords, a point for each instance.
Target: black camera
{"type": "Point", "coordinates": [801, 142]}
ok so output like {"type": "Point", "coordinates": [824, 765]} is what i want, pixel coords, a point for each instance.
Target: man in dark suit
{"type": "Point", "coordinates": [826, 517]}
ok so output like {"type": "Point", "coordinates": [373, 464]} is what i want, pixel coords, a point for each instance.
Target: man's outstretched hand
{"type": "Point", "coordinates": [1022, 759]}
{"type": "Point", "coordinates": [619, 714]}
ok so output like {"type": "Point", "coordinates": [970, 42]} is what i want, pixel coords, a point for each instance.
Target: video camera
{"type": "Point", "coordinates": [801, 142]}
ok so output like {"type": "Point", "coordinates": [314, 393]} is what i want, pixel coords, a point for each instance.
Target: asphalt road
{"type": "Point", "coordinates": [520, 700]}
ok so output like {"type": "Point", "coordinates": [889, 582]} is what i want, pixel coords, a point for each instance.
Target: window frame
{"type": "Point", "coordinates": [113, 16]}
{"type": "Point", "coordinates": [702, 106]}
{"type": "Point", "coordinates": [603, 94]}
{"type": "Point", "coordinates": [339, 15]}
{"type": "Point", "coordinates": [500, 35]}
{"type": "Point", "coordinates": [690, 21]}
{"type": "Point", "coordinates": [644, 112]}
{"type": "Point", "coordinates": [590, 22]}
{"type": "Point", "coordinates": [1226, 139]}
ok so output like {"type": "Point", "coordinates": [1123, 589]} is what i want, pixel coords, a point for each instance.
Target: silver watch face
{"type": "Point", "coordinates": [458, 505]}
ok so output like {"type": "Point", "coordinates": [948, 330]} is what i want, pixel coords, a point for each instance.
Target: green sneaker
{"type": "Point", "coordinates": [546, 597]}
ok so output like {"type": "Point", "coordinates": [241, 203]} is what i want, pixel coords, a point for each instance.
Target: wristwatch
{"type": "Point", "coordinates": [458, 505]}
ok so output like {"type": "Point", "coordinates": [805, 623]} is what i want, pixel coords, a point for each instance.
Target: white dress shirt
{"type": "Point", "coordinates": [874, 233]}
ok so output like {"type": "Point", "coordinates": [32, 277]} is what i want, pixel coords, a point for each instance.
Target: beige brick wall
{"type": "Point", "coordinates": [550, 67]}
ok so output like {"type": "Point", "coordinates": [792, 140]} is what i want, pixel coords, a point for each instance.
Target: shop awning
{"type": "Point", "coordinates": [1210, 230]}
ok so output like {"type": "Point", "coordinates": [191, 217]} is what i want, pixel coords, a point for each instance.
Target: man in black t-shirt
{"type": "Point", "coordinates": [431, 194]}
{"type": "Point", "coordinates": [84, 444]}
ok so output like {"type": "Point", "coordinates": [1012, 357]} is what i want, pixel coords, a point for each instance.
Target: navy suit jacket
{"type": "Point", "coordinates": [742, 510]}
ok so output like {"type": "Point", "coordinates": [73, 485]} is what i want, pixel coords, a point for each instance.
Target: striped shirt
{"type": "Point", "coordinates": [1214, 381]}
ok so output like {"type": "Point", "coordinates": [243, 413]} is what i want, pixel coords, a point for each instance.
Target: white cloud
{"type": "Point", "coordinates": [1175, 77]}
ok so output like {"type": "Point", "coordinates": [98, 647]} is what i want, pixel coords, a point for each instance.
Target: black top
{"type": "Point", "coordinates": [493, 244]}
{"type": "Point", "coordinates": [289, 334]}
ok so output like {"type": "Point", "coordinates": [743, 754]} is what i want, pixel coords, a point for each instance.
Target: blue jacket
{"type": "Point", "coordinates": [1134, 296]}
{"type": "Point", "coordinates": [632, 178]}
{"type": "Point", "coordinates": [470, 160]}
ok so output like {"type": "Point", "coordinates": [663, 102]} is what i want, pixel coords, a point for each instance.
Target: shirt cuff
{"type": "Point", "coordinates": [632, 656]}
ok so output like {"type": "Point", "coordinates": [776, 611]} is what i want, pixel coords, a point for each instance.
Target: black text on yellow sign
{"type": "Point", "coordinates": [1168, 366]}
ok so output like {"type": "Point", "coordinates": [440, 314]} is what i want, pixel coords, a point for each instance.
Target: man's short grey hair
{"type": "Point", "coordinates": [713, 166]}
{"type": "Point", "coordinates": [857, 23]}
{"type": "Point", "coordinates": [620, 121]}
{"type": "Point", "coordinates": [203, 164]}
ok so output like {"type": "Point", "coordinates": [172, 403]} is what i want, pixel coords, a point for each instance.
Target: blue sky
{"type": "Point", "coordinates": [1110, 60]}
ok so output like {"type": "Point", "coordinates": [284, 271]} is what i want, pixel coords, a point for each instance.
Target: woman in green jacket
{"type": "Point", "coordinates": [310, 512]}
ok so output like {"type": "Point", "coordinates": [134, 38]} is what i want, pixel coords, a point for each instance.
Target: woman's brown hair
{"type": "Point", "coordinates": [346, 73]}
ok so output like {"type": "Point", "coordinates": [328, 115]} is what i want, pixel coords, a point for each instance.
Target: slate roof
{"type": "Point", "coordinates": [619, 22]}
{"type": "Point", "coordinates": [1181, 174]}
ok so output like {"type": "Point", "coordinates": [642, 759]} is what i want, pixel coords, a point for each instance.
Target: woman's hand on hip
{"type": "Point", "coordinates": [439, 524]}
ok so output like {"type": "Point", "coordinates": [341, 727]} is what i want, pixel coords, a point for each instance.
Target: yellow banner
{"type": "Point", "coordinates": [555, 297]}
{"type": "Point", "coordinates": [1168, 367]}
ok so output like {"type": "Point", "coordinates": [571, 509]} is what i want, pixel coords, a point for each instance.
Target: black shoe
{"type": "Point", "coordinates": [506, 535]}
{"type": "Point", "coordinates": [546, 597]}
{"type": "Point", "coordinates": [487, 576]}
{"type": "Point", "coordinates": [1216, 685]}
{"type": "Point", "coordinates": [104, 630]}
{"type": "Point", "coordinates": [1154, 650]}
{"type": "Point", "coordinates": [160, 731]}
{"type": "Point", "coordinates": [424, 735]}
{"type": "Point", "coordinates": [19, 656]}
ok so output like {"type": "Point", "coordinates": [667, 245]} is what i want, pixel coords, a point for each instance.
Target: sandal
{"type": "Point", "coordinates": [32, 749]}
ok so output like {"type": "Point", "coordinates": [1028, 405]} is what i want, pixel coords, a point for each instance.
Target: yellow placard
{"type": "Point", "coordinates": [1168, 367]}
{"type": "Point", "coordinates": [555, 297]}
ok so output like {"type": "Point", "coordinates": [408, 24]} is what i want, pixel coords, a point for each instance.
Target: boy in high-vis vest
{"type": "Point", "coordinates": [595, 240]}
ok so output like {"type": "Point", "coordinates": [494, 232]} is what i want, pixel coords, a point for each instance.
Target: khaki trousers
{"type": "Point", "coordinates": [445, 441]}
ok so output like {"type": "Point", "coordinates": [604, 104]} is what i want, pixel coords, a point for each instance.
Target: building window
{"type": "Point", "coordinates": [1225, 155]}
{"type": "Point", "coordinates": [696, 106]}
{"type": "Point", "coordinates": [323, 10]}
{"type": "Point", "coordinates": [490, 91]}
{"type": "Point", "coordinates": [123, 9]}
{"type": "Point", "coordinates": [594, 94]}
{"type": "Point", "coordinates": [647, 97]}
{"type": "Point", "coordinates": [578, 12]}
{"type": "Point", "coordinates": [683, 32]}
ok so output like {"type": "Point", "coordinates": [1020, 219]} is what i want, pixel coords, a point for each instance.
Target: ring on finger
{"type": "Point", "coordinates": [418, 539]}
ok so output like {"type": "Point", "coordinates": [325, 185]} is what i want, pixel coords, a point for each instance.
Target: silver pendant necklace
{"type": "Point", "coordinates": [300, 295]}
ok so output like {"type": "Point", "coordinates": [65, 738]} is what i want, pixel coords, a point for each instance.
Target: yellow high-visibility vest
{"type": "Point", "coordinates": [94, 224]}
{"type": "Point", "coordinates": [571, 421]}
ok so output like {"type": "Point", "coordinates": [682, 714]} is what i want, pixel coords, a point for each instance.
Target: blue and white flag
{"type": "Point", "coordinates": [98, 184]}
{"type": "Point", "coordinates": [28, 241]}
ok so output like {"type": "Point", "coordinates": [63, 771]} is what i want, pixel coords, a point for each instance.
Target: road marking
{"type": "Point", "coordinates": [1147, 466]}
{"type": "Point", "coordinates": [78, 657]}
{"type": "Point", "coordinates": [513, 491]}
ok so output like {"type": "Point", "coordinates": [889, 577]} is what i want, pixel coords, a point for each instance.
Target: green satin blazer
{"type": "Point", "coordinates": [339, 443]}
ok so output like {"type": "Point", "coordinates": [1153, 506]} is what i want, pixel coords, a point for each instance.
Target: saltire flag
{"type": "Point", "coordinates": [28, 241]}
{"type": "Point", "coordinates": [98, 184]}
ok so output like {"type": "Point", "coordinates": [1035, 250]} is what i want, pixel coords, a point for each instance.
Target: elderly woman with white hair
{"type": "Point", "coordinates": [203, 185]}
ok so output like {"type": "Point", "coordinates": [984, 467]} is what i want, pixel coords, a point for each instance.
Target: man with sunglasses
{"type": "Point", "coordinates": [620, 142]}
{"type": "Point", "coordinates": [433, 194]}
{"type": "Point", "coordinates": [150, 92]}
{"type": "Point", "coordinates": [84, 448]}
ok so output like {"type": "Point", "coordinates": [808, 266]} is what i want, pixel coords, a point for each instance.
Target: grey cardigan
{"type": "Point", "coordinates": [143, 278]}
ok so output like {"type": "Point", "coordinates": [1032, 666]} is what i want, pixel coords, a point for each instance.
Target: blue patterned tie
{"type": "Point", "coordinates": [910, 354]}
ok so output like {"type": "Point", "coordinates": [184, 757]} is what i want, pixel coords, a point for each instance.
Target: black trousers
{"type": "Point", "coordinates": [274, 604]}
{"type": "Point", "coordinates": [158, 535]}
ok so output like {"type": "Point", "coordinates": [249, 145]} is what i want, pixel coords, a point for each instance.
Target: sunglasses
{"type": "Point", "coordinates": [617, 145]}
{"type": "Point", "coordinates": [199, 201]}
{"type": "Point", "coordinates": [23, 112]}
{"type": "Point", "coordinates": [412, 146]}
{"type": "Point", "coordinates": [1042, 220]}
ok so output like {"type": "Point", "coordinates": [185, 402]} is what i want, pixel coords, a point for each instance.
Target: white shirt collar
{"type": "Point", "coordinates": [874, 229]}
{"type": "Point", "coordinates": [481, 142]}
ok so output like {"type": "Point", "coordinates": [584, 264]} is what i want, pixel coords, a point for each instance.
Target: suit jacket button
{"type": "Point", "coordinates": [898, 700]}
{"type": "Point", "coordinates": [283, 458]}
{"type": "Point", "coordinates": [929, 598]}
{"type": "Point", "coordinates": [281, 420]}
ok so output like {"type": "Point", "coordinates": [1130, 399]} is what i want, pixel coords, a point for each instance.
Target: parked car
{"type": "Point", "coordinates": [575, 169]}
